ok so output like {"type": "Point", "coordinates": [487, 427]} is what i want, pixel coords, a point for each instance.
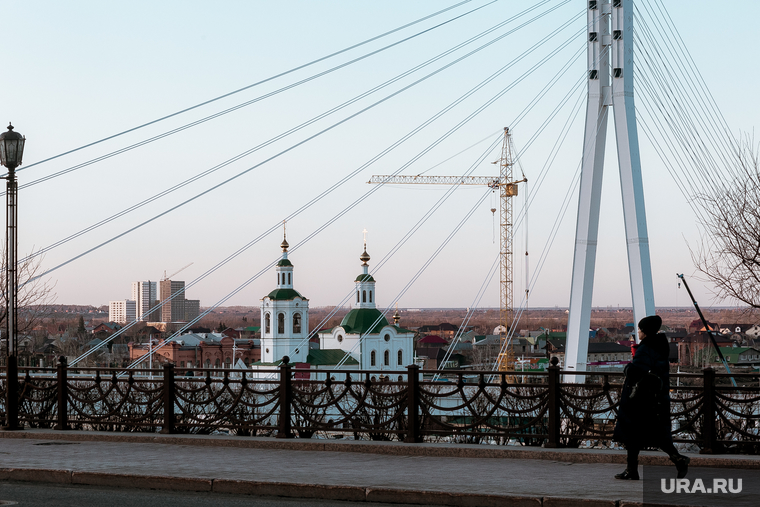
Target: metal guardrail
{"type": "Point", "coordinates": [285, 402]}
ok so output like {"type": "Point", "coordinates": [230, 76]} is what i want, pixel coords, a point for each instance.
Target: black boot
{"type": "Point", "coordinates": [682, 464]}
{"type": "Point", "coordinates": [629, 474]}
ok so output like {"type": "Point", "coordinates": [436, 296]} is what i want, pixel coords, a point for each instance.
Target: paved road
{"type": "Point", "coordinates": [495, 476]}
{"type": "Point", "coordinates": [47, 495]}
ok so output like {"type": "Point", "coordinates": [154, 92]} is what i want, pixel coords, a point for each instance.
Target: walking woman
{"type": "Point", "coordinates": [644, 414]}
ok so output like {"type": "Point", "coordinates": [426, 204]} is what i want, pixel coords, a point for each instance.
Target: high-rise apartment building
{"type": "Point", "coordinates": [122, 312]}
{"type": "Point", "coordinates": [192, 309]}
{"type": "Point", "coordinates": [146, 298]}
{"type": "Point", "coordinates": [174, 310]}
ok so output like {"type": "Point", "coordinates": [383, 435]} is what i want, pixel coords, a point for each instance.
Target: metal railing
{"type": "Point", "coordinates": [406, 405]}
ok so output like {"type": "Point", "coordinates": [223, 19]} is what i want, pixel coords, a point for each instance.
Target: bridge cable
{"type": "Point", "coordinates": [290, 71]}
{"type": "Point", "coordinates": [268, 95]}
{"type": "Point", "coordinates": [472, 115]}
{"type": "Point", "coordinates": [451, 131]}
{"type": "Point", "coordinates": [276, 138]}
{"type": "Point", "coordinates": [466, 95]}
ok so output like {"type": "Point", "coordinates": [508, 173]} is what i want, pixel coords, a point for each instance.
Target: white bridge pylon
{"type": "Point", "coordinates": [610, 86]}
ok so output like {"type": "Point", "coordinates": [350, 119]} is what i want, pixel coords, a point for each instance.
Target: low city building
{"type": "Point", "coordinates": [202, 350]}
{"type": "Point", "coordinates": [603, 354]}
{"type": "Point", "coordinates": [739, 356]}
{"type": "Point", "coordinates": [123, 311]}
{"type": "Point", "coordinates": [431, 341]}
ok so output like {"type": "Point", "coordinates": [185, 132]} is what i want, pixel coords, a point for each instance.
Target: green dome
{"type": "Point", "coordinates": [364, 278]}
{"type": "Point", "coordinates": [284, 262]}
{"type": "Point", "coordinates": [359, 320]}
{"type": "Point", "coordinates": [284, 295]}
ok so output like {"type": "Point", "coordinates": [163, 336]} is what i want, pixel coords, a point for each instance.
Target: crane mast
{"type": "Point", "coordinates": [507, 189]}
{"type": "Point", "coordinates": [506, 260]}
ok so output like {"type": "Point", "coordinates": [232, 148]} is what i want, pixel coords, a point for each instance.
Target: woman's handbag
{"type": "Point", "coordinates": [647, 388]}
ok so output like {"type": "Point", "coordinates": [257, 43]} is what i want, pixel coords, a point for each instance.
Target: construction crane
{"type": "Point", "coordinates": [176, 272]}
{"type": "Point", "coordinates": [507, 189]}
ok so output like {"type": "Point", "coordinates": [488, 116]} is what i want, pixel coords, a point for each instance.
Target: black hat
{"type": "Point", "coordinates": [650, 325]}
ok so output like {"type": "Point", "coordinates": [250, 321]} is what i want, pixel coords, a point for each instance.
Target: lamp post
{"type": "Point", "coordinates": [11, 152]}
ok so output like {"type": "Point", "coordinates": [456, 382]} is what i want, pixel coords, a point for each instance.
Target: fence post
{"type": "Point", "coordinates": [169, 399]}
{"type": "Point", "coordinates": [286, 400]}
{"type": "Point", "coordinates": [63, 395]}
{"type": "Point", "coordinates": [11, 391]}
{"type": "Point", "coordinates": [709, 436]}
{"type": "Point", "coordinates": [553, 402]}
{"type": "Point", "coordinates": [414, 432]}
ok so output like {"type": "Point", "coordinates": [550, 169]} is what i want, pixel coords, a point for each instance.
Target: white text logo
{"type": "Point", "coordinates": [698, 486]}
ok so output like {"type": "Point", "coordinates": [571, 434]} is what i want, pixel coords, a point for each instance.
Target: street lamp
{"type": "Point", "coordinates": [11, 152]}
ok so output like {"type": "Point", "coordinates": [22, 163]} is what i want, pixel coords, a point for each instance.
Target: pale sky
{"type": "Point", "coordinates": [77, 72]}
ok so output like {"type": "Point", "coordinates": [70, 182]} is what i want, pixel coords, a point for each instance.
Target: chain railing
{"type": "Point", "coordinates": [411, 405]}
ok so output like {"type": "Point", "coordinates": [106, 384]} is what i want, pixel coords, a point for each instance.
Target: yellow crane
{"type": "Point", "coordinates": [507, 187]}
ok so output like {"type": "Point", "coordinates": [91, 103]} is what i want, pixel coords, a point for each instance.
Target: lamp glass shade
{"type": "Point", "coordinates": [11, 149]}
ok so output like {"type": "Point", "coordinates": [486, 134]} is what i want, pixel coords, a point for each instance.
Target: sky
{"type": "Point", "coordinates": [80, 72]}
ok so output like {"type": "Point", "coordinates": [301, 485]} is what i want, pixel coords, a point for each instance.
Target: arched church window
{"type": "Point", "coordinates": [280, 323]}
{"type": "Point", "coordinates": [364, 296]}
{"type": "Point", "coordinates": [208, 363]}
{"type": "Point", "coordinates": [228, 363]}
{"type": "Point", "coordinates": [370, 296]}
{"type": "Point", "coordinates": [373, 359]}
{"type": "Point", "coordinates": [400, 358]}
{"type": "Point", "coordinates": [278, 278]}
{"type": "Point", "coordinates": [357, 297]}
{"type": "Point", "coordinates": [216, 363]}
{"type": "Point", "coordinates": [267, 323]}
{"type": "Point", "coordinates": [289, 282]}
{"type": "Point", "coordinates": [296, 323]}
{"type": "Point", "coordinates": [387, 358]}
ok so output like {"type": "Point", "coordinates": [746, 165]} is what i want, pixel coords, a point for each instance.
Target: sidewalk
{"type": "Point", "coordinates": [432, 474]}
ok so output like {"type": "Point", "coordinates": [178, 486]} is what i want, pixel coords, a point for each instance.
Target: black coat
{"type": "Point", "coordinates": [643, 419]}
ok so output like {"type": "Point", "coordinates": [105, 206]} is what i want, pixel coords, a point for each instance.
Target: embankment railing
{"type": "Point", "coordinates": [410, 405]}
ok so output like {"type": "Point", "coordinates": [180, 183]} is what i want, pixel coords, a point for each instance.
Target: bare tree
{"type": "Point", "coordinates": [729, 255]}
{"type": "Point", "coordinates": [34, 294]}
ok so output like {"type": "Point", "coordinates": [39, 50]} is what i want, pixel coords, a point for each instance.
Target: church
{"type": "Point", "coordinates": [284, 317]}
{"type": "Point", "coordinates": [364, 334]}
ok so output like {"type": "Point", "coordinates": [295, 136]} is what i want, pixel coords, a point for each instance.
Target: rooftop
{"type": "Point", "coordinates": [284, 295]}
{"type": "Point", "coordinates": [361, 320]}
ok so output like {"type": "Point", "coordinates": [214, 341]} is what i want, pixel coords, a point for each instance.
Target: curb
{"type": "Point", "coordinates": [389, 448]}
{"type": "Point", "coordinates": [296, 490]}
{"type": "Point", "coordinates": [145, 482]}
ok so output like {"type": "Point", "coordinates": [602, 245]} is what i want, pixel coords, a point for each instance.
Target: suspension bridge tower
{"type": "Point", "coordinates": [610, 86]}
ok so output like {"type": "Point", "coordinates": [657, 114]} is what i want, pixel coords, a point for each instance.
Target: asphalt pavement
{"type": "Point", "coordinates": [47, 495]}
{"type": "Point", "coordinates": [397, 473]}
